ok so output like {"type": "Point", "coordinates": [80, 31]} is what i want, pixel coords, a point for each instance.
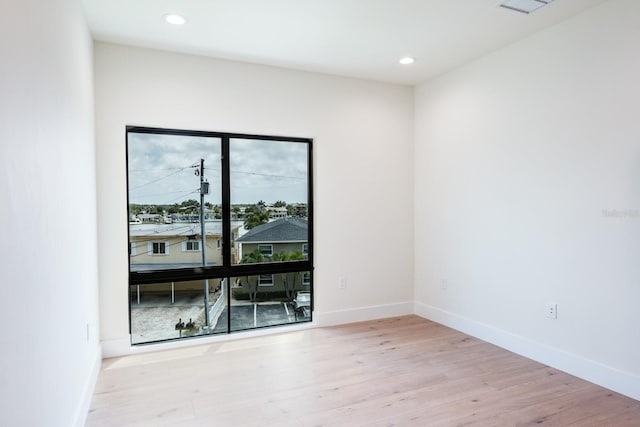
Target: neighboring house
{"type": "Point", "coordinates": [271, 242]}
{"type": "Point", "coordinates": [177, 245]}
{"type": "Point", "coordinates": [277, 212]}
{"type": "Point", "coordinates": [150, 218]}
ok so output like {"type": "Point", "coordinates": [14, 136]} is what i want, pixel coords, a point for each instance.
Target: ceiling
{"type": "Point", "coordinates": [356, 38]}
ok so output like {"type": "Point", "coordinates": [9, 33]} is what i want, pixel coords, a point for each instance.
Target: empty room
{"type": "Point", "coordinates": [306, 212]}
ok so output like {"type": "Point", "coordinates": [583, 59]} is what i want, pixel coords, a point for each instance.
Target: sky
{"type": "Point", "coordinates": [162, 169]}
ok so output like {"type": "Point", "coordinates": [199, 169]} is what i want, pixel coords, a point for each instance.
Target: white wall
{"type": "Point", "coordinates": [48, 229]}
{"type": "Point", "coordinates": [517, 156]}
{"type": "Point", "coordinates": [363, 143]}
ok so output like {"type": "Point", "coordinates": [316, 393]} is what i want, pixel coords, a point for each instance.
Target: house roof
{"type": "Point", "coordinates": [182, 229]}
{"type": "Point", "coordinates": [282, 230]}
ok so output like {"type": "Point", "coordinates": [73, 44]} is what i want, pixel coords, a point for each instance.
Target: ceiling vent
{"type": "Point", "coordinates": [525, 6]}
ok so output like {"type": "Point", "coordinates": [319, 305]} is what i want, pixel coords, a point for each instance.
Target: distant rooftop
{"type": "Point", "coordinates": [282, 230]}
{"type": "Point", "coordinates": [214, 228]}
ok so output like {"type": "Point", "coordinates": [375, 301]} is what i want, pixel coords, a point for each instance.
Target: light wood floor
{"type": "Point", "coordinates": [391, 372]}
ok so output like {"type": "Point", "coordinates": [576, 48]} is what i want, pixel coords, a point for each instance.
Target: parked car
{"type": "Point", "coordinates": [302, 299]}
{"type": "Point", "coordinates": [302, 303]}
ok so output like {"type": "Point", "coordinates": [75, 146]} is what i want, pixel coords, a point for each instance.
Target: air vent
{"type": "Point", "coordinates": [525, 6]}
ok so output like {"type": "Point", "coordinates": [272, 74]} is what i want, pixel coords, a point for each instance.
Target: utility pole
{"type": "Point", "coordinates": [204, 189]}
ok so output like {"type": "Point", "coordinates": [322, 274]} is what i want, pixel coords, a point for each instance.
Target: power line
{"type": "Point", "coordinates": [156, 169]}
{"type": "Point", "coordinates": [159, 179]}
{"type": "Point", "coordinates": [161, 194]}
{"type": "Point", "coordinates": [190, 227]}
{"type": "Point", "coordinates": [269, 175]}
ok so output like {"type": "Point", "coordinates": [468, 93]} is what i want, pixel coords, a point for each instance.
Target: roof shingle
{"type": "Point", "coordinates": [288, 229]}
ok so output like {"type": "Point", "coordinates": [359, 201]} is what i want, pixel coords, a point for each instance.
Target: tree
{"type": "Point", "coordinates": [252, 286]}
{"type": "Point", "coordinates": [291, 210]}
{"type": "Point", "coordinates": [255, 218]}
{"type": "Point", "coordinates": [289, 256]}
{"type": "Point", "coordinates": [135, 209]}
{"type": "Point", "coordinates": [301, 210]}
{"type": "Point", "coordinates": [217, 212]}
{"type": "Point", "coordinates": [190, 203]}
{"type": "Point", "coordinates": [190, 206]}
{"type": "Point", "coordinates": [279, 204]}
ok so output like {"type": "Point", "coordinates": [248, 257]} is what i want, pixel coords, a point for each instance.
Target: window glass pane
{"type": "Point", "coordinates": [165, 311]}
{"type": "Point", "coordinates": [269, 299]}
{"type": "Point", "coordinates": [167, 174]}
{"type": "Point", "coordinates": [269, 186]}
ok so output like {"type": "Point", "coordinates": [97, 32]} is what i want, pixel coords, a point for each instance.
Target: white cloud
{"type": "Point", "coordinates": [161, 169]}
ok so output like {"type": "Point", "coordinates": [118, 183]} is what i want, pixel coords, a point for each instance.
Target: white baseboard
{"type": "Point", "coordinates": [330, 318]}
{"type": "Point", "coordinates": [221, 338]}
{"type": "Point", "coordinates": [87, 393]}
{"type": "Point", "coordinates": [597, 373]}
{"type": "Point", "coordinates": [123, 347]}
{"type": "Point", "coordinates": [117, 347]}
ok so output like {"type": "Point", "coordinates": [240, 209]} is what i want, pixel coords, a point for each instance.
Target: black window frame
{"type": "Point", "coordinates": [227, 270]}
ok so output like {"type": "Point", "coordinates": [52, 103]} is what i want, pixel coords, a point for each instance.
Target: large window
{"type": "Point", "coordinates": [228, 226]}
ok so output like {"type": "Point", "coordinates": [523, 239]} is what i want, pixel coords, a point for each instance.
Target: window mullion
{"type": "Point", "coordinates": [226, 204]}
{"type": "Point", "coordinates": [226, 222]}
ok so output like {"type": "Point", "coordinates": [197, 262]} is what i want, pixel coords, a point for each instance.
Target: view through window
{"type": "Point", "coordinates": [220, 232]}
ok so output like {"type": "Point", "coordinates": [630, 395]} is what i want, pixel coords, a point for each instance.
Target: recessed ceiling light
{"type": "Point", "coordinates": [407, 60]}
{"type": "Point", "coordinates": [175, 19]}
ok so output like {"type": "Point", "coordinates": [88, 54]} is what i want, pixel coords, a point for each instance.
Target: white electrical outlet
{"type": "Point", "coordinates": [444, 284]}
{"type": "Point", "coordinates": [552, 310]}
{"type": "Point", "coordinates": [342, 282]}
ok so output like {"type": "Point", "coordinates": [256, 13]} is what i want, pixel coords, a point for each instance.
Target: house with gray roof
{"type": "Point", "coordinates": [279, 240]}
{"type": "Point", "coordinates": [285, 235]}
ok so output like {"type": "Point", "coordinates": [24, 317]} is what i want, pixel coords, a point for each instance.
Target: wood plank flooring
{"type": "Point", "coordinates": [404, 371]}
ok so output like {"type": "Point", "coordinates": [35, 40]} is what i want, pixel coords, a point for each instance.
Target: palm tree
{"type": "Point", "coordinates": [252, 258]}
{"type": "Point", "coordinates": [255, 218]}
{"type": "Point", "coordinates": [236, 210]}
{"type": "Point", "coordinates": [289, 256]}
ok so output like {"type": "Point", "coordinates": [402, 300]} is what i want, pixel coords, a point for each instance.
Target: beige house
{"type": "Point", "coordinates": [178, 245]}
{"type": "Point", "coordinates": [167, 246]}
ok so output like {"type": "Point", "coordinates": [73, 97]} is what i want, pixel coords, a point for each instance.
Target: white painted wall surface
{"type": "Point", "coordinates": [520, 157]}
{"type": "Point", "coordinates": [48, 231]}
{"type": "Point", "coordinates": [363, 144]}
